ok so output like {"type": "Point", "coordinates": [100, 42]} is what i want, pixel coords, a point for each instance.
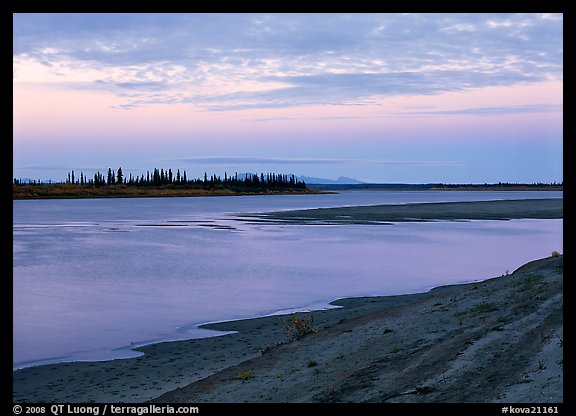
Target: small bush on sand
{"type": "Point", "coordinates": [555, 254]}
{"type": "Point", "coordinates": [297, 327]}
{"type": "Point", "coordinates": [244, 375]}
{"type": "Point", "coordinates": [486, 307]}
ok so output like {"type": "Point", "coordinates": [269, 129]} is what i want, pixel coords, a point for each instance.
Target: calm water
{"type": "Point", "coordinates": [91, 277]}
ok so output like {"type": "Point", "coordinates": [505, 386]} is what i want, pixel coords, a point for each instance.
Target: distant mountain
{"type": "Point", "coordinates": [342, 180]}
{"type": "Point", "coordinates": [29, 180]}
{"type": "Point", "coordinates": [310, 180]}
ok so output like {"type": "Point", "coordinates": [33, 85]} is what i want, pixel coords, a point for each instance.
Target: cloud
{"type": "Point", "coordinates": [552, 16]}
{"type": "Point", "coordinates": [459, 27]}
{"type": "Point", "coordinates": [346, 89]}
{"type": "Point", "coordinates": [253, 161]}
{"type": "Point", "coordinates": [339, 59]}
{"type": "Point", "coordinates": [44, 167]}
{"type": "Point", "coordinates": [491, 111]}
{"type": "Point", "coordinates": [327, 117]}
{"type": "Point", "coordinates": [334, 89]}
{"type": "Point", "coordinates": [257, 161]}
{"type": "Point", "coordinates": [143, 85]}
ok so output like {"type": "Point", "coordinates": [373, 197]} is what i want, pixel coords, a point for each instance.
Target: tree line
{"type": "Point", "coordinates": [161, 177]}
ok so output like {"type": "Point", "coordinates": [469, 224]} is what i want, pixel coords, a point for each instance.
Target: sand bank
{"type": "Point", "coordinates": [498, 340]}
{"type": "Point", "coordinates": [437, 211]}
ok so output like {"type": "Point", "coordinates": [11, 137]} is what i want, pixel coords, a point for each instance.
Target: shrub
{"type": "Point", "coordinates": [244, 375]}
{"type": "Point", "coordinates": [555, 254]}
{"type": "Point", "coordinates": [486, 307]}
{"type": "Point", "coordinates": [297, 327]}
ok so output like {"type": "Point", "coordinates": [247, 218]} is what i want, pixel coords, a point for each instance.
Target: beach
{"type": "Point", "coordinates": [494, 340]}
{"type": "Point", "coordinates": [498, 340]}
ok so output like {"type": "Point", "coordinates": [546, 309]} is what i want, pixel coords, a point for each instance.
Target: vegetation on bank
{"type": "Point", "coordinates": [500, 186]}
{"type": "Point", "coordinates": [159, 183]}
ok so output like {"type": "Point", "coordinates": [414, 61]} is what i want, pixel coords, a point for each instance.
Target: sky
{"type": "Point", "coordinates": [396, 98]}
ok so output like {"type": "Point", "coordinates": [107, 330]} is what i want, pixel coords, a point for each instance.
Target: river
{"type": "Point", "coordinates": [94, 277]}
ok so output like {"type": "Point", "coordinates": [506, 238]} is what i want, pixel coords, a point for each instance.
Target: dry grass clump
{"type": "Point", "coordinates": [297, 326]}
{"type": "Point", "coordinates": [244, 375]}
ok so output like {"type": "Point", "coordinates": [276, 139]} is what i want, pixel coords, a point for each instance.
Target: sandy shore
{"type": "Point", "coordinates": [437, 211]}
{"type": "Point", "coordinates": [497, 340]}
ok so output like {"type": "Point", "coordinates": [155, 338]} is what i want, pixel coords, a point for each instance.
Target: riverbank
{"type": "Point", "coordinates": [496, 340]}
{"type": "Point", "coordinates": [435, 211]}
{"type": "Point", "coordinates": [58, 191]}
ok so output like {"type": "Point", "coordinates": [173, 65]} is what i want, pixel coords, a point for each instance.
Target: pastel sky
{"type": "Point", "coordinates": [459, 98]}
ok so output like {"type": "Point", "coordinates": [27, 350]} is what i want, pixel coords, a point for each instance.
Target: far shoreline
{"type": "Point", "coordinates": [160, 194]}
{"type": "Point", "coordinates": [66, 191]}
